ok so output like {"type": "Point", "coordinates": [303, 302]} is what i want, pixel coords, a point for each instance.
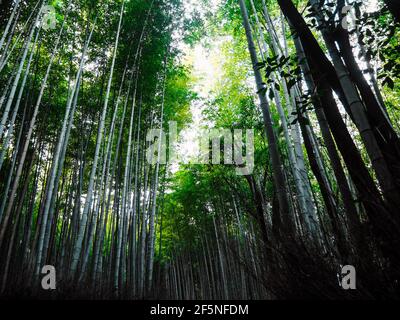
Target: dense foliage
{"type": "Point", "coordinates": [83, 82]}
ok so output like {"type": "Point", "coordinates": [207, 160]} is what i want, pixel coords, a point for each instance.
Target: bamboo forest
{"type": "Point", "coordinates": [200, 149]}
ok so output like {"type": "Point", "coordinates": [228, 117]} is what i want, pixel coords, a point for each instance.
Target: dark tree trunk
{"type": "Point", "coordinates": [394, 8]}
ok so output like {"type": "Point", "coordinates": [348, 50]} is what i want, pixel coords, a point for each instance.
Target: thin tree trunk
{"type": "Point", "coordinates": [279, 180]}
